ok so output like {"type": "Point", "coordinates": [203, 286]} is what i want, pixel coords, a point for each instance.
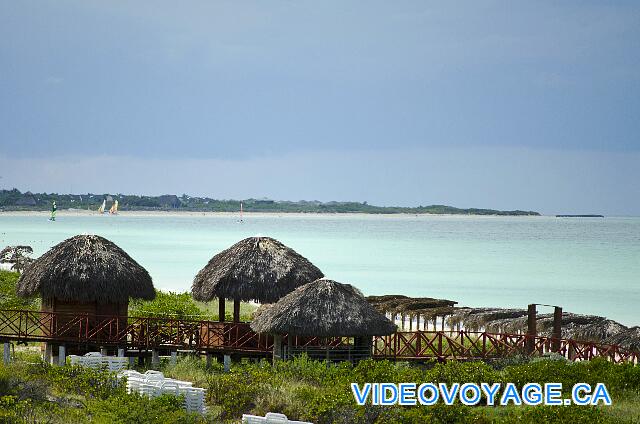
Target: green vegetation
{"type": "Point", "coordinates": [15, 200]}
{"type": "Point", "coordinates": [182, 306]}
{"type": "Point", "coordinates": [314, 391]}
{"type": "Point", "coordinates": [8, 297]}
{"type": "Point", "coordinates": [40, 393]}
{"type": "Point", "coordinates": [31, 391]}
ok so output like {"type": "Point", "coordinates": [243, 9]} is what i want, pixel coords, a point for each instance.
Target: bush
{"type": "Point", "coordinates": [8, 297]}
{"type": "Point", "coordinates": [138, 409]}
{"type": "Point", "coordinates": [166, 304]}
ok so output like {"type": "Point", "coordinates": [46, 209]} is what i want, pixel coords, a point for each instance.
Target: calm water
{"type": "Point", "coordinates": [585, 265]}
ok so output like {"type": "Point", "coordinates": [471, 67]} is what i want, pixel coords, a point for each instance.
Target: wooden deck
{"type": "Point", "coordinates": [84, 332]}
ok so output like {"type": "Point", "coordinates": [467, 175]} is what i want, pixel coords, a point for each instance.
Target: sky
{"type": "Point", "coordinates": [493, 104]}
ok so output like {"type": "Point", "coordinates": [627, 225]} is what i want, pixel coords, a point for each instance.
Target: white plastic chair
{"type": "Point", "coordinates": [253, 419]}
{"type": "Point", "coordinates": [276, 418]}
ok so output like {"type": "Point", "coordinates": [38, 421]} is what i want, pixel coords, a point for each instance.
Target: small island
{"type": "Point", "coordinates": [580, 216]}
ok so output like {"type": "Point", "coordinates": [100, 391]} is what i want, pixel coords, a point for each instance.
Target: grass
{"type": "Point", "coordinates": [305, 390]}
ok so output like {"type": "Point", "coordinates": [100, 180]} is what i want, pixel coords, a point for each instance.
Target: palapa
{"type": "Point", "coordinates": [86, 268]}
{"type": "Point", "coordinates": [323, 308]}
{"type": "Point", "coordinates": [256, 268]}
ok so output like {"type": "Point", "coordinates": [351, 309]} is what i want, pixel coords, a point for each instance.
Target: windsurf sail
{"type": "Point", "coordinates": [114, 208]}
{"type": "Point", "coordinates": [101, 208]}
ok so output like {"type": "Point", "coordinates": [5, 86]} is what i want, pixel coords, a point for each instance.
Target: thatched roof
{"type": "Point", "coordinates": [86, 268]}
{"type": "Point", "coordinates": [323, 308]}
{"type": "Point", "coordinates": [574, 326]}
{"type": "Point", "coordinates": [256, 268]}
{"type": "Point", "coordinates": [629, 338]}
{"type": "Point", "coordinates": [404, 304]}
{"type": "Point", "coordinates": [427, 307]}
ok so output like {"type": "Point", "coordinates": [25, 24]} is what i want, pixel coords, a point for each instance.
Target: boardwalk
{"type": "Point", "coordinates": [83, 332]}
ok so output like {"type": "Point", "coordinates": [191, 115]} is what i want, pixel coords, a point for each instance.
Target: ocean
{"type": "Point", "coordinates": [585, 265]}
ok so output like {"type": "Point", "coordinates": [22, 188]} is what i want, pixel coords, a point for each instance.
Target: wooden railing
{"type": "Point", "coordinates": [210, 336]}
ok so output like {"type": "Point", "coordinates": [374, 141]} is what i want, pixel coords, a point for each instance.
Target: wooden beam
{"type": "Point", "coordinates": [531, 328]}
{"type": "Point", "coordinates": [236, 310]}
{"type": "Point", "coordinates": [557, 328]}
{"type": "Point", "coordinates": [221, 311]}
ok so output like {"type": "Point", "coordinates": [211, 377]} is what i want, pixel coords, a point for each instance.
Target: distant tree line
{"type": "Point", "coordinates": [14, 200]}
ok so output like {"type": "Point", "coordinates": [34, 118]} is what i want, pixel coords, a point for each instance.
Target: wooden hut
{"type": "Point", "coordinates": [257, 268]}
{"type": "Point", "coordinates": [326, 310]}
{"type": "Point", "coordinates": [86, 274]}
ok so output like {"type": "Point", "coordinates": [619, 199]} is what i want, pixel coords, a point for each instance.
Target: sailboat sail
{"type": "Point", "coordinates": [241, 212]}
{"type": "Point", "coordinates": [114, 208]}
{"type": "Point", "coordinates": [101, 208]}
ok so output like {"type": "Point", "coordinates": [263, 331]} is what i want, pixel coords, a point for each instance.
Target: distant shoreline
{"type": "Point", "coordinates": [14, 200]}
{"type": "Point", "coordinates": [183, 213]}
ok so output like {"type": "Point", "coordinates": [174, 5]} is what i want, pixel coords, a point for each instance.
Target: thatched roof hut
{"type": "Point", "coordinates": [323, 308]}
{"type": "Point", "coordinates": [256, 268]}
{"type": "Point", "coordinates": [86, 268]}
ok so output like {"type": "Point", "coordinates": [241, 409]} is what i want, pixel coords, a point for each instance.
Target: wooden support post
{"type": "Point", "coordinates": [410, 322]}
{"type": "Point", "coordinates": [227, 363]}
{"type": "Point", "coordinates": [442, 323]}
{"type": "Point", "coordinates": [572, 351]}
{"type": "Point", "coordinates": [120, 352]}
{"type": "Point", "coordinates": [221, 311]}
{"type": "Point", "coordinates": [174, 357]}
{"type": "Point", "coordinates": [62, 355]}
{"type": "Point", "coordinates": [48, 352]}
{"type": "Point", "coordinates": [209, 359]}
{"type": "Point", "coordinates": [402, 320]}
{"type": "Point", "coordinates": [531, 329]}
{"type": "Point", "coordinates": [277, 347]}
{"type": "Point", "coordinates": [289, 344]}
{"type": "Point", "coordinates": [132, 361]}
{"type": "Point", "coordinates": [6, 357]}
{"type": "Point", "coordinates": [155, 358]}
{"type": "Point", "coordinates": [236, 310]}
{"type": "Point", "coordinates": [557, 328]}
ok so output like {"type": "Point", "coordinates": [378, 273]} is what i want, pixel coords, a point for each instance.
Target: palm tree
{"type": "Point", "coordinates": [18, 256]}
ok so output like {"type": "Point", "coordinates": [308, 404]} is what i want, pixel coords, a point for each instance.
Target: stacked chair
{"type": "Point", "coordinates": [153, 383]}
{"type": "Point", "coordinates": [97, 361]}
{"type": "Point", "coordinates": [270, 418]}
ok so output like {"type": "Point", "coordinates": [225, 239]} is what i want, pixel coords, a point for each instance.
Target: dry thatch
{"type": "Point", "coordinates": [86, 268]}
{"type": "Point", "coordinates": [404, 304]}
{"type": "Point", "coordinates": [574, 326]}
{"type": "Point", "coordinates": [323, 308]}
{"type": "Point", "coordinates": [256, 268]}
{"type": "Point", "coordinates": [629, 338]}
{"type": "Point", "coordinates": [491, 319]}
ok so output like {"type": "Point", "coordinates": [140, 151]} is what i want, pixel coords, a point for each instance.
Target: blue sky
{"type": "Point", "coordinates": [530, 105]}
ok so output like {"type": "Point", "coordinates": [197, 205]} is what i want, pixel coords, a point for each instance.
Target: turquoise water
{"type": "Point", "coordinates": [589, 266]}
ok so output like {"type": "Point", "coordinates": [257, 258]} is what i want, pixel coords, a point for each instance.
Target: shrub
{"type": "Point", "coordinates": [138, 409]}
{"type": "Point", "coordinates": [8, 297]}
{"type": "Point", "coordinates": [166, 304]}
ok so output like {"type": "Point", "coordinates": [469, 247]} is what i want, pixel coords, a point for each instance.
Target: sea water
{"type": "Point", "coordinates": [585, 265]}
